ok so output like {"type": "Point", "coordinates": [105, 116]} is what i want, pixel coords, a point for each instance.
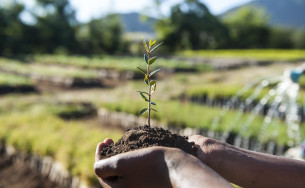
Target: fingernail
{"type": "Point", "coordinates": [108, 141]}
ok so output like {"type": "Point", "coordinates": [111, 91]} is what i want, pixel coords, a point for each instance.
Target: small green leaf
{"type": "Point", "coordinates": [146, 58]}
{"type": "Point", "coordinates": [143, 92]}
{"type": "Point", "coordinates": [150, 42]}
{"type": "Point", "coordinates": [145, 45]}
{"type": "Point", "coordinates": [153, 88]}
{"type": "Point", "coordinates": [154, 110]}
{"type": "Point", "coordinates": [152, 60]}
{"type": "Point", "coordinates": [154, 72]}
{"type": "Point", "coordinates": [146, 79]}
{"type": "Point", "coordinates": [143, 96]}
{"type": "Point", "coordinates": [153, 43]}
{"type": "Point", "coordinates": [152, 82]}
{"type": "Point", "coordinates": [143, 111]}
{"type": "Point", "coordinates": [153, 103]}
{"type": "Point", "coordinates": [141, 70]}
{"type": "Point", "coordinates": [156, 47]}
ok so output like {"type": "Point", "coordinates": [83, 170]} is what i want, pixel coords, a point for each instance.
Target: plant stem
{"type": "Point", "coordinates": [149, 92]}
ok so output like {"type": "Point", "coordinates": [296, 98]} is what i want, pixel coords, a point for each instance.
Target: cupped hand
{"type": "Point", "coordinates": [205, 146]}
{"type": "Point", "coordinates": [153, 167]}
{"type": "Point", "coordinates": [140, 168]}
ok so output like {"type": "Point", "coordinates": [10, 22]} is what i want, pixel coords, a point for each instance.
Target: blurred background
{"type": "Point", "coordinates": [231, 70]}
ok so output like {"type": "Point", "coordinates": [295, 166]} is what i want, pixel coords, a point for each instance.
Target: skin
{"type": "Point", "coordinates": [155, 167]}
{"type": "Point", "coordinates": [174, 168]}
{"type": "Point", "coordinates": [247, 168]}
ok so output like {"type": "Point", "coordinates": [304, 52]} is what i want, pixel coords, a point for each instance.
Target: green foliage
{"type": "Point", "coordinates": [248, 28]}
{"type": "Point", "coordinates": [280, 38]}
{"type": "Point", "coordinates": [28, 69]}
{"type": "Point", "coordinates": [175, 113]}
{"type": "Point", "coordinates": [55, 29]}
{"type": "Point", "coordinates": [147, 79]}
{"type": "Point", "coordinates": [191, 26]}
{"type": "Point", "coordinates": [258, 54]}
{"type": "Point", "coordinates": [12, 80]}
{"type": "Point", "coordinates": [143, 111]}
{"type": "Point", "coordinates": [31, 128]}
{"type": "Point", "coordinates": [12, 30]}
{"type": "Point", "coordinates": [113, 62]}
{"type": "Point", "coordinates": [101, 35]}
{"type": "Point", "coordinates": [286, 38]}
{"type": "Point", "coordinates": [298, 38]}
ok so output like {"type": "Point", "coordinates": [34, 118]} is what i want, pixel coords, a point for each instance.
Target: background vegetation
{"type": "Point", "coordinates": [194, 27]}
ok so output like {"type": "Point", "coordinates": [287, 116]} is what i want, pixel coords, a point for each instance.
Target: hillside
{"type": "Point", "coordinates": [287, 13]}
{"type": "Point", "coordinates": [133, 22]}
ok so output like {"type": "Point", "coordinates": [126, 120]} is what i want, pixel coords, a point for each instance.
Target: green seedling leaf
{"type": "Point", "coordinates": [152, 60]}
{"type": "Point", "coordinates": [145, 45]}
{"type": "Point", "coordinates": [153, 43]}
{"type": "Point", "coordinates": [156, 47]}
{"type": "Point", "coordinates": [152, 82]}
{"type": "Point", "coordinates": [141, 70]}
{"type": "Point", "coordinates": [143, 96]}
{"type": "Point", "coordinates": [154, 72]}
{"type": "Point", "coordinates": [153, 103]}
{"type": "Point", "coordinates": [143, 111]}
{"type": "Point", "coordinates": [154, 110]}
{"type": "Point", "coordinates": [153, 88]}
{"type": "Point", "coordinates": [143, 92]}
{"type": "Point", "coordinates": [146, 79]}
{"type": "Point", "coordinates": [146, 58]}
{"type": "Point", "coordinates": [150, 42]}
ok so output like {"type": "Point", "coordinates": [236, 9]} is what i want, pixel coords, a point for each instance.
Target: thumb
{"type": "Point", "coordinates": [98, 150]}
{"type": "Point", "coordinates": [106, 168]}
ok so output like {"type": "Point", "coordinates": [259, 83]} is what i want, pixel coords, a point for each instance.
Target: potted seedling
{"type": "Point", "coordinates": [147, 136]}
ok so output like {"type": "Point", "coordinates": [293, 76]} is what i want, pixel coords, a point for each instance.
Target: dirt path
{"type": "Point", "coordinates": [19, 175]}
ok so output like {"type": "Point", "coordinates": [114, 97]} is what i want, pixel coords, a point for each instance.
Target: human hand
{"type": "Point", "coordinates": [206, 146]}
{"type": "Point", "coordinates": [154, 167]}
{"type": "Point", "coordinates": [140, 168]}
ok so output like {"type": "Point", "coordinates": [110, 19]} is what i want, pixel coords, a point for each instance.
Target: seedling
{"type": "Point", "coordinates": [152, 84]}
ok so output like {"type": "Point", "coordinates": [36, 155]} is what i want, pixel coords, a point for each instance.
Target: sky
{"type": "Point", "coordinates": [88, 9]}
{"type": "Point", "coordinates": [95, 8]}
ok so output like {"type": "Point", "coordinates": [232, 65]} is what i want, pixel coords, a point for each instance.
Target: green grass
{"type": "Point", "coordinates": [36, 69]}
{"type": "Point", "coordinates": [31, 128]}
{"type": "Point", "coordinates": [224, 91]}
{"type": "Point", "coordinates": [258, 54]}
{"type": "Point", "coordinates": [112, 62]}
{"type": "Point", "coordinates": [12, 80]}
{"type": "Point", "coordinates": [189, 115]}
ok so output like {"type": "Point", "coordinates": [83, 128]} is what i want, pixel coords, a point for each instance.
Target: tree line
{"type": "Point", "coordinates": [190, 25]}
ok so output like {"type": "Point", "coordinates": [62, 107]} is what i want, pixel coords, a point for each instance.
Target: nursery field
{"type": "Point", "coordinates": [265, 54]}
{"type": "Point", "coordinates": [62, 120]}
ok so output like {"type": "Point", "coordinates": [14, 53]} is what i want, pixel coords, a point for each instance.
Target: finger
{"type": "Point", "coordinates": [106, 168]}
{"type": "Point", "coordinates": [108, 141]}
{"type": "Point", "coordinates": [98, 150]}
{"type": "Point", "coordinates": [194, 138]}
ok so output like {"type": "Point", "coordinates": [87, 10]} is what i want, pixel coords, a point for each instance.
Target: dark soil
{"type": "Point", "coordinates": [5, 89]}
{"type": "Point", "coordinates": [76, 110]}
{"type": "Point", "coordinates": [145, 136]}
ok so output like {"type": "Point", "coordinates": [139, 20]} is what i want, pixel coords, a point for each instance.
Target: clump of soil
{"type": "Point", "coordinates": [145, 136]}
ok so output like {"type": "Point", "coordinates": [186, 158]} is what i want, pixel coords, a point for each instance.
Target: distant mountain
{"type": "Point", "coordinates": [287, 13]}
{"type": "Point", "coordinates": [134, 22]}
